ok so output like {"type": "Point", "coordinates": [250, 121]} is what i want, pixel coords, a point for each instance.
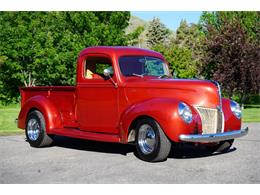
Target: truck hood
{"type": "Point", "coordinates": [194, 92]}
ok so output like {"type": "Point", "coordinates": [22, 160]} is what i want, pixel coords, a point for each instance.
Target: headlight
{"type": "Point", "coordinates": [235, 109]}
{"type": "Point", "coordinates": [185, 112]}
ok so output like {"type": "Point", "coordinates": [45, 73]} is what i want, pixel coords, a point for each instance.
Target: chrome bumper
{"type": "Point", "coordinates": [206, 138]}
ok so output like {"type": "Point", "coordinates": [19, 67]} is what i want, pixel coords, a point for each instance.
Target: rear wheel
{"type": "Point", "coordinates": [151, 143]}
{"type": "Point", "coordinates": [221, 147]}
{"type": "Point", "coordinates": [36, 130]}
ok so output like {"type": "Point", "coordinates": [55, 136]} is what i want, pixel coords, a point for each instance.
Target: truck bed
{"type": "Point", "coordinates": [63, 97]}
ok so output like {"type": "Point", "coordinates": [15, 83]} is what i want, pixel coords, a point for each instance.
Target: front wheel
{"type": "Point", "coordinates": [36, 130]}
{"type": "Point", "coordinates": [151, 143]}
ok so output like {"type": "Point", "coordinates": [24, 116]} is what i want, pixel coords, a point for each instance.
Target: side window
{"type": "Point", "coordinates": [95, 65]}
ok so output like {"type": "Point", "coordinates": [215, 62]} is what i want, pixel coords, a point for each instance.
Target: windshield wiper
{"type": "Point", "coordinates": [138, 75]}
{"type": "Point", "coordinates": [163, 76]}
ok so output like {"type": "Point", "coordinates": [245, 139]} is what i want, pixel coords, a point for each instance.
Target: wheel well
{"type": "Point", "coordinates": [31, 110]}
{"type": "Point", "coordinates": [132, 127]}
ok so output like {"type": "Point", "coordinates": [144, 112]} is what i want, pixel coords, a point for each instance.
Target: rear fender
{"type": "Point", "coordinates": [164, 111]}
{"type": "Point", "coordinates": [46, 107]}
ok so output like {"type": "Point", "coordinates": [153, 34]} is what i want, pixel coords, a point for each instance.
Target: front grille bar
{"type": "Point", "coordinates": [212, 120]}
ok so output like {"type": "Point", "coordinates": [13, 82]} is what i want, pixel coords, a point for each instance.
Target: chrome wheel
{"type": "Point", "coordinates": [146, 139]}
{"type": "Point", "coordinates": [33, 129]}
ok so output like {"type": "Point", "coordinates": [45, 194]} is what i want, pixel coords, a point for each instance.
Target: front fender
{"type": "Point", "coordinates": [46, 107]}
{"type": "Point", "coordinates": [231, 121]}
{"type": "Point", "coordinates": [164, 111]}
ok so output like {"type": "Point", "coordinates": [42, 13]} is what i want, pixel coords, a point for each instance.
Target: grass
{"type": "Point", "coordinates": [8, 114]}
{"type": "Point", "coordinates": [251, 115]}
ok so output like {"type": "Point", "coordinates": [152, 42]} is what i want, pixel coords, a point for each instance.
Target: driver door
{"type": "Point", "coordinates": [97, 109]}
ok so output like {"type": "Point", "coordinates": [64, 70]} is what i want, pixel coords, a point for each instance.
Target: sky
{"type": "Point", "coordinates": [171, 19]}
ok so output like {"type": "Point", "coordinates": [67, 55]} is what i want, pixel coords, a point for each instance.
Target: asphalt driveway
{"type": "Point", "coordinates": [79, 161]}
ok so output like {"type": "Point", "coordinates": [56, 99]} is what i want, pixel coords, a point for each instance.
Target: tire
{"type": "Point", "coordinates": [152, 144]}
{"type": "Point", "coordinates": [221, 147]}
{"type": "Point", "coordinates": [36, 130]}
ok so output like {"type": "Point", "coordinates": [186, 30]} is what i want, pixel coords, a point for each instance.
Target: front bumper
{"type": "Point", "coordinates": [217, 137]}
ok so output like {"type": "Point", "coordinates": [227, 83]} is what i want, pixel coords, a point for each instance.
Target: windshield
{"type": "Point", "coordinates": [143, 66]}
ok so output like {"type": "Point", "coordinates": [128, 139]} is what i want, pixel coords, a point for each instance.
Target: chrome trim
{"type": "Point", "coordinates": [233, 106]}
{"type": "Point", "coordinates": [206, 138]}
{"type": "Point", "coordinates": [223, 122]}
{"type": "Point", "coordinates": [181, 108]}
{"type": "Point", "coordinates": [210, 119]}
{"type": "Point", "coordinates": [219, 94]}
{"type": "Point", "coordinates": [33, 129]}
{"type": "Point", "coordinates": [146, 139]}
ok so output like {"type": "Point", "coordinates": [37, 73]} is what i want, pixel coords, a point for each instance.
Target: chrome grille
{"type": "Point", "coordinates": [212, 120]}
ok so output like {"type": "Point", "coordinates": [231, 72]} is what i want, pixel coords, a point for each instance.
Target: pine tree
{"type": "Point", "coordinates": [156, 33]}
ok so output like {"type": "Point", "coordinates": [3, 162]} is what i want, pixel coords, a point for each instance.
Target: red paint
{"type": "Point", "coordinates": [94, 109]}
{"type": "Point", "coordinates": [231, 122]}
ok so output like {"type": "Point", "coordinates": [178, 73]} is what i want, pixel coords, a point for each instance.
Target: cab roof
{"type": "Point", "coordinates": [121, 51]}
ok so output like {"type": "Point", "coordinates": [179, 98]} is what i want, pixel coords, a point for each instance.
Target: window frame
{"type": "Point", "coordinates": [140, 56]}
{"type": "Point", "coordinates": [101, 55]}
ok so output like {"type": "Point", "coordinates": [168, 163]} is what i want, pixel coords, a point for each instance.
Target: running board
{"type": "Point", "coordinates": [86, 135]}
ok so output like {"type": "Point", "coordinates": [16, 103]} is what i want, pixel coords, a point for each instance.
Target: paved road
{"type": "Point", "coordinates": [80, 161]}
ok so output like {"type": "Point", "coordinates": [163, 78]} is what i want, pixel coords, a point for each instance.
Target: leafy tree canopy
{"type": "Point", "coordinates": [249, 21]}
{"type": "Point", "coordinates": [44, 45]}
{"type": "Point", "coordinates": [185, 51]}
{"type": "Point", "coordinates": [179, 59]}
{"type": "Point", "coordinates": [233, 58]}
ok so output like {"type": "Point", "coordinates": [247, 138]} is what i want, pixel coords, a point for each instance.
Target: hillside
{"type": "Point", "coordinates": [134, 23]}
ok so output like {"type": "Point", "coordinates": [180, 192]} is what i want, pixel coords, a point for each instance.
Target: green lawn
{"type": "Point", "coordinates": [251, 115]}
{"type": "Point", "coordinates": [8, 114]}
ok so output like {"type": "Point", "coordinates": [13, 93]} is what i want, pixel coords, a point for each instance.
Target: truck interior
{"type": "Point", "coordinates": [94, 66]}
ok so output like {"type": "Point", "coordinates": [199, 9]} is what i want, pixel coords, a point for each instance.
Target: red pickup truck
{"type": "Point", "coordinates": [126, 95]}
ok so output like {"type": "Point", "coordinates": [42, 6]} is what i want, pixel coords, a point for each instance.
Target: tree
{"type": "Point", "coordinates": [135, 38]}
{"type": "Point", "coordinates": [156, 32]}
{"type": "Point", "coordinates": [233, 59]}
{"type": "Point", "coordinates": [249, 21]}
{"type": "Point", "coordinates": [185, 51]}
{"type": "Point", "coordinates": [232, 54]}
{"type": "Point", "coordinates": [190, 36]}
{"type": "Point", "coordinates": [44, 45]}
{"type": "Point", "coordinates": [136, 31]}
{"type": "Point", "coordinates": [179, 59]}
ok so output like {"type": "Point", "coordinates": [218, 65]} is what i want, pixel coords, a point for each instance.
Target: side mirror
{"type": "Point", "coordinates": [107, 72]}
